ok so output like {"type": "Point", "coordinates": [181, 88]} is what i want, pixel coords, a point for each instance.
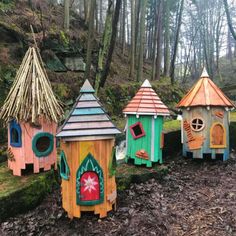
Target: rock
{"type": "Point", "coordinates": [74, 63]}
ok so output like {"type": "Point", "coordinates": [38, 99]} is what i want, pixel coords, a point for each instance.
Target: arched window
{"type": "Point", "coordinates": [43, 144]}
{"type": "Point", "coordinates": [217, 136]}
{"type": "Point", "coordinates": [15, 134]}
{"type": "Point", "coordinates": [64, 168]}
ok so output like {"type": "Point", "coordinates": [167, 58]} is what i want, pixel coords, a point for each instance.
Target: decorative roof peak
{"type": "Point", "coordinates": [146, 84]}
{"type": "Point", "coordinates": [87, 87]}
{"type": "Point", "coordinates": [204, 73]}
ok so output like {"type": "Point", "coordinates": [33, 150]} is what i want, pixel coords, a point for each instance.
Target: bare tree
{"type": "Point", "coordinates": [90, 39]}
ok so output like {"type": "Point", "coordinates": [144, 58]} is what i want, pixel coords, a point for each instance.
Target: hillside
{"type": "Point", "coordinates": [64, 57]}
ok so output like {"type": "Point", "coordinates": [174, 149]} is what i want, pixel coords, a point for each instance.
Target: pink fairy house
{"type": "Point", "coordinates": [31, 112]}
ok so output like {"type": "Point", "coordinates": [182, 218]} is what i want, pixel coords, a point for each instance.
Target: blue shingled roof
{"type": "Point", "coordinates": [88, 117]}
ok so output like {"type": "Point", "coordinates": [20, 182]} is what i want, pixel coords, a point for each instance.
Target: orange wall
{"type": "Point", "coordinates": [75, 153]}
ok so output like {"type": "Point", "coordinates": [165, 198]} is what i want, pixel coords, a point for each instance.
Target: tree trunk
{"type": "Point", "coordinates": [159, 42]}
{"type": "Point", "coordinates": [229, 47]}
{"type": "Point", "coordinates": [172, 65]}
{"type": "Point", "coordinates": [90, 39]}
{"type": "Point", "coordinates": [124, 26]}
{"type": "Point", "coordinates": [132, 51]}
{"type": "Point", "coordinates": [142, 37]}
{"type": "Point", "coordinates": [112, 43]}
{"type": "Point", "coordinates": [137, 23]}
{"type": "Point", "coordinates": [66, 15]}
{"type": "Point", "coordinates": [229, 19]}
{"type": "Point", "coordinates": [96, 14]}
{"type": "Point", "coordinates": [155, 41]}
{"type": "Point", "coordinates": [105, 43]}
{"type": "Point", "coordinates": [100, 17]}
{"type": "Point", "coordinates": [87, 6]}
{"type": "Point", "coordinates": [166, 38]}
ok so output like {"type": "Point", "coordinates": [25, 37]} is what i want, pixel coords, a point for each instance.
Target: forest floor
{"type": "Point", "coordinates": [196, 198]}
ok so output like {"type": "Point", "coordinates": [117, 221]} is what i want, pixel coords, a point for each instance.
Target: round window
{"type": "Point", "coordinates": [197, 124]}
{"type": "Point", "coordinates": [42, 144]}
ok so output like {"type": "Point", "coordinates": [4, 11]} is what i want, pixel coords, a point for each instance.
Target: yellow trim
{"type": "Point", "coordinates": [224, 136]}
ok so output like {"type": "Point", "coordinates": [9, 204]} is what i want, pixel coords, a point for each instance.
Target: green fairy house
{"type": "Point", "coordinates": [144, 136]}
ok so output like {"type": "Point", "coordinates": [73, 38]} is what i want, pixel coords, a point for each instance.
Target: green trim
{"type": "Point", "coordinates": [89, 164]}
{"type": "Point", "coordinates": [50, 148]}
{"type": "Point", "coordinates": [65, 175]}
{"type": "Point", "coordinates": [112, 163]}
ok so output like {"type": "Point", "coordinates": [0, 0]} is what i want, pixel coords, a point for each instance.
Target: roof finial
{"type": "Point", "coordinates": [146, 84]}
{"type": "Point", "coordinates": [87, 87]}
{"type": "Point", "coordinates": [204, 72]}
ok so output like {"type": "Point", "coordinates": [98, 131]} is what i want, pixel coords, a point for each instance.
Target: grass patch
{"type": "Point", "coordinates": [128, 173]}
{"type": "Point", "coordinates": [233, 116]}
{"type": "Point", "coordinates": [10, 183]}
{"type": "Point", "coordinates": [171, 125]}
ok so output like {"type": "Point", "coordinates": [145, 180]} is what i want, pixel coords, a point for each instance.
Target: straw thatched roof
{"type": "Point", "coordinates": [31, 94]}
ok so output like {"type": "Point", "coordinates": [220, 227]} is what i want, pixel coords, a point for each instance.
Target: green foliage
{"type": "Point", "coordinates": [62, 90]}
{"type": "Point", "coordinates": [19, 194]}
{"type": "Point", "coordinates": [7, 75]}
{"type": "Point", "coordinates": [6, 5]}
{"type": "Point", "coordinates": [171, 125]}
{"type": "Point", "coordinates": [64, 39]}
{"type": "Point", "coordinates": [112, 163]}
{"type": "Point", "coordinates": [127, 174]}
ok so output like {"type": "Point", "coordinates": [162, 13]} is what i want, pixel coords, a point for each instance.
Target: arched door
{"type": "Point", "coordinates": [90, 188]}
{"type": "Point", "coordinates": [218, 136]}
{"type": "Point", "coordinates": [89, 182]}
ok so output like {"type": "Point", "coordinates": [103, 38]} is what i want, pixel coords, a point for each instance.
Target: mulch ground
{"type": "Point", "coordinates": [195, 198]}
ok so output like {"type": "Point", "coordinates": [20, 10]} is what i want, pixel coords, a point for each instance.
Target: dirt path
{"type": "Point", "coordinates": [196, 198]}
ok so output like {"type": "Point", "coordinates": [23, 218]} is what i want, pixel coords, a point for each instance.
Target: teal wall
{"type": "Point", "coordinates": [150, 142]}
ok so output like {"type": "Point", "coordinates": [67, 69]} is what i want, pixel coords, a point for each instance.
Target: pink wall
{"type": "Point", "coordinates": [25, 155]}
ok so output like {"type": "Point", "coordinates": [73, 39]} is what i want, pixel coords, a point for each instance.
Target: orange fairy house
{"type": "Point", "coordinates": [205, 121]}
{"type": "Point", "coordinates": [87, 141]}
{"type": "Point", "coordinates": [31, 112]}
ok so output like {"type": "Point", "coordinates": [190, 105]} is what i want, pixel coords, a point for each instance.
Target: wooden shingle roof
{"type": "Point", "coordinates": [205, 93]}
{"type": "Point", "coordinates": [88, 117]}
{"type": "Point", "coordinates": [146, 102]}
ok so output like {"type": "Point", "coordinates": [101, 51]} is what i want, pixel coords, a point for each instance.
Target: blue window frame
{"type": "Point", "coordinates": [15, 134]}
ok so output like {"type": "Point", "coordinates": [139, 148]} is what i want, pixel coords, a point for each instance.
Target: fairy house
{"type": "Point", "coordinates": [205, 120]}
{"type": "Point", "coordinates": [144, 136]}
{"type": "Point", "coordinates": [87, 140]}
{"type": "Point", "coordinates": [31, 112]}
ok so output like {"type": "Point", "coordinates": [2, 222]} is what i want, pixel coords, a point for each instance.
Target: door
{"type": "Point", "coordinates": [90, 188]}
{"type": "Point", "coordinates": [218, 136]}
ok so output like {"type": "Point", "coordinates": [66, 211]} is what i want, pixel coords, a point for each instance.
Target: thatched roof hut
{"type": "Point", "coordinates": [31, 95]}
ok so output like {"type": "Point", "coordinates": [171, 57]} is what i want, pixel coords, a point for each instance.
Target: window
{"type": "Point", "coordinates": [137, 130]}
{"type": "Point", "coordinates": [43, 144]}
{"type": "Point", "coordinates": [64, 168]}
{"type": "Point", "coordinates": [217, 136]}
{"type": "Point", "coordinates": [197, 124]}
{"type": "Point", "coordinates": [15, 134]}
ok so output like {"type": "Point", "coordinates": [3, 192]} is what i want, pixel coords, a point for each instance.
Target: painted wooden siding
{"type": "Point", "coordinates": [209, 118]}
{"type": "Point", "coordinates": [75, 153]}
{"type": "Point", "coordinates": [152, 129]}
{"type": "Point", "coordinates": [25, 155]}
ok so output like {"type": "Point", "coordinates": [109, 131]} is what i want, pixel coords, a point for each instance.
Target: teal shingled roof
{"type": "Point", "coordinates": [88, 117]}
